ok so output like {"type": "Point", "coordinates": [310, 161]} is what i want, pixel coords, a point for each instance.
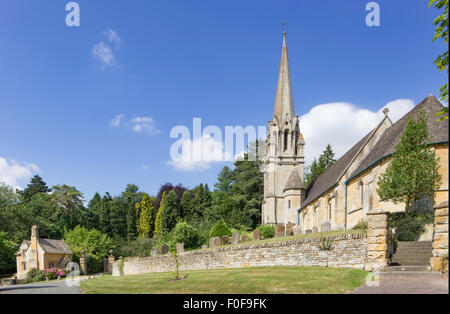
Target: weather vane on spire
{"type": "Point", "coordinates": [284, 24]}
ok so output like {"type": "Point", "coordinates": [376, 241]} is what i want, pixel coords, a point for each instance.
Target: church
{"type": "Point", "coordinates": [346, 191]}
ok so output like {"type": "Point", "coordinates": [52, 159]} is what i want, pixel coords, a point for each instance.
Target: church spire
{"type": "Point", "coordinates": [284, 102]}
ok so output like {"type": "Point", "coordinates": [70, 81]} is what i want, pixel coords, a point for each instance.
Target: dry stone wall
{"type": "Point", "coordinates": [346, 251]}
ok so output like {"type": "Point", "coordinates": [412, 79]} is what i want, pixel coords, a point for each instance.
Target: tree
{"type": "Point", "coordinates": [247, 193]}
{"type": "Point", "coordinates": [12, 217]}
{"type": "Point", "coordinates": [91, 215]}
{"type": "Point", "coordinates": [221, 196]}
{"type": "Point", "coordinates": [413, 172]}
{"type": "Point", "coordinates": [36, 185]}
{"type": "Point", "coordinates": [158, 220]}
{"type": "Point", "coordinates": [166, 188]}
{"type": "Point", "coordinates": [170, 212]}
{"type": "Point", "coordinates": [441, 23]}
{"type": "Point", "coordinates": [8, 248]}
{"type": "Point", "coordinates": [95, 244]}
{"type": "Point", "coordinates": [185, 233]}
{"type": "Point", "coordinates": [187, 206]}
{"type": "Point", "coordinates": [326, 160]}
{"type": "Point", "coordinates": [146, 220]}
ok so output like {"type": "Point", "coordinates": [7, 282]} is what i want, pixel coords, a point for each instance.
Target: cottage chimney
{"type": "Point", "coordinates": [34, 232]}
{"type": "Point", "coordinates": [34, 261]}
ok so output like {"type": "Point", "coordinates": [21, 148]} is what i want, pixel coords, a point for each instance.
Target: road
{"type": "Point", "coordinates": [54, 287]}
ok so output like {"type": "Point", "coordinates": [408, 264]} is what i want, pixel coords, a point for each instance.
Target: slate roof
{"type": "Point", "coordinates": [54, 246]}
{"type": "Point", "coordinates": [330, 177]}
{"type": "Point", "coordinates": [293, 181]}
{"type": "Point", "coordinates": [384, 147]}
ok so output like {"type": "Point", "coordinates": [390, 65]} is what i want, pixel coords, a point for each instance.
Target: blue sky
{"type": "Point", "coordinates": [171, 61]}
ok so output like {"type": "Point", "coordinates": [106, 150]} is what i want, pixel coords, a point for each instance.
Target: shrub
{"type": "Point", "coordinates": [54, 273]}
{"type": "Point", "coordinates": [35, 275]}
{"type": "Point", "coordinates": [410, 225]}
{"type": "Point", "coordinates": [138, 247]}
{"type": "Point", "coordinates": [220, 229]}
{"type": "Point", "coordinates": [361, 225]}
{"type": "Point", "coordinates": [325, 244]}
{"type": "Point", "coordinates": [267, 231]}
{"type": "Point", "coordinates": [185, 233]}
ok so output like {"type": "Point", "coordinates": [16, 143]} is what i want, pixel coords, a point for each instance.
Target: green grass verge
{"type": "Point", "coordinates": [252, 280]}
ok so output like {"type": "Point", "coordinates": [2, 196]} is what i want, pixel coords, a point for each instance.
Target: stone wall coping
{"type": "Point", "coordinates": [378, 212]}
{"type": "Point", "coordinates": [443, 204]}
{"type": "Point", "coordinates": [250, 246]}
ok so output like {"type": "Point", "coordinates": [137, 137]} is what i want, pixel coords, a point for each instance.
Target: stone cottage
{"type": "Point", "coordinates": [41, 254]}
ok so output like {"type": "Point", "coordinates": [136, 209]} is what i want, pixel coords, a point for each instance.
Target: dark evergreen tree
{"type": "Point", "coordinates": [170, 212]}
{"type": "Point", "coordinates": [36, 185]}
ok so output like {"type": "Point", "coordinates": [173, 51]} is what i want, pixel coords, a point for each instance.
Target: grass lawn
{"type": "Point", "coordinates": [253, 280]}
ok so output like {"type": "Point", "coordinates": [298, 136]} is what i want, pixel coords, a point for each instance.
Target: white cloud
{"type": "Point", "coordinates": [113, 37]}
{"type": "Point", "coordinates": [199, 154]}
{"type": "Point", "coordinates": [144, 125]}
{"type": "Point", "coordinates": [11, 172]}
{"type": "Point", "coordinates": [343, 124]}
{"type": "Point", "coordinates": [103, 52]}
{"type": "Point", "coordinates": [117, 120]}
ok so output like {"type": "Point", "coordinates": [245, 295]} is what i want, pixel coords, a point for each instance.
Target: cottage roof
{"type": "Point", "coordinates": [54, 246]}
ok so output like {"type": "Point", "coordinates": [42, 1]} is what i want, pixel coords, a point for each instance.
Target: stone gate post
{"type": "Point", "coordinates": [111, 260]}
{"type": "Point", "coordinates": [377, 240]}
{"type": "Point", "coordinates": [440, 235]}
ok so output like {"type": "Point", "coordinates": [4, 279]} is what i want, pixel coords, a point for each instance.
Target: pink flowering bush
{"type": "Point", "coordinates": [54, 273]}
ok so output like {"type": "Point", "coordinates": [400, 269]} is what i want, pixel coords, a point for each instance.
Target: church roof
{"type": "Point", "coordinates": [384, 147]}
{"type": "Point", "coordinates": [284, 101]}
{"type": "Point", "coordinates": [293, 181]}
{"type": "Point", "coordinates": [54, 246]}
{"type": "Point", "coordinates": [330, 177]}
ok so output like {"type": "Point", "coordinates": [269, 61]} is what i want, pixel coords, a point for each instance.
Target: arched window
{"type": "Point", "coordinates": [361, 194]}
{"type": "Point", "coordinates": [285, 140]}
{"type": "Point", "coordinates": [329, 208]}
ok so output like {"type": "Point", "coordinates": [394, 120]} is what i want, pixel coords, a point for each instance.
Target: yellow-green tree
{"type": "Point", "coordinates": [146, 221]}
{"type": "Point", "coordinates": [158, 221]}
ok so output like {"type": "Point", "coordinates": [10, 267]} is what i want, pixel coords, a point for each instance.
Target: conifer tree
{"type": "Point", "coordinates": [158, 221]}
{"type": "Point", "coordinates": [146, 222]}
{"type": "Point", "coordinates": [170, 212]}
{"type": "Point", "coordinates": [413, 173]}
{"type": "Point", "coordinates": [36, 185]}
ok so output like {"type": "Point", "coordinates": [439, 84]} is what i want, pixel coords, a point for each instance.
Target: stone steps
{"type": "Point", "coordinates": [414, 253]}
{"type": "Point", "coordinates": [407, 268]}
{"type": "Point", "coordinates": [415, 274]}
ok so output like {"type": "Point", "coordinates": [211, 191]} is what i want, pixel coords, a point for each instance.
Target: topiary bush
{"type": "Point", "coordinates": [409, 225]}
{"type": "Point", "coordinates": [220, 229]}
{"type": "Point", "coordinates": [185, 233]}
{"type": "Point", "coordinates": [267, 231]}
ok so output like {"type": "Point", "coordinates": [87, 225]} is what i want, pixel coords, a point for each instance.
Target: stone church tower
{"type": "Point", "coordinates": [284, 189]}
